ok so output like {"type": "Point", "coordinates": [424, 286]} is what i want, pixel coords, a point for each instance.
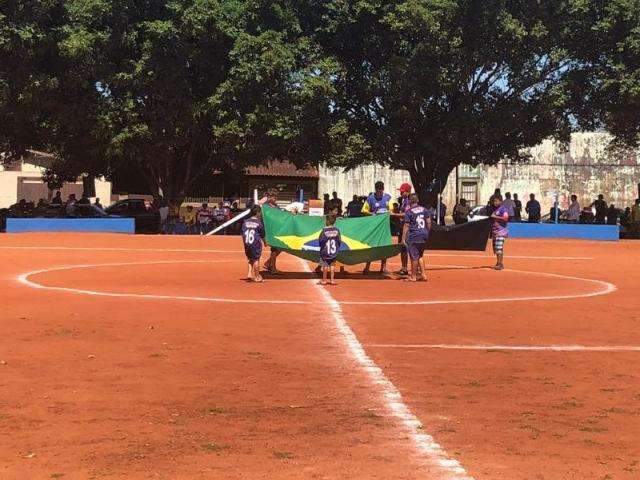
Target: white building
{"type": "Point", "coordinates": [23, 179]}
{"type": "Point", "coordinates": [585, 169]}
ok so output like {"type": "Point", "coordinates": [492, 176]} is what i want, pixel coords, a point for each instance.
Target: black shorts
{"type": "Point", "coordinates": [253, 252]}
{"type": "Point", "coordinates": [416, 250]}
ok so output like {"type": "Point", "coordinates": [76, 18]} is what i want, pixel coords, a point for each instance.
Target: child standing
{"type": "Point", "coordinates": [499, 230]}
{"type": "Point", "coordinates": [253, 239]}
{"type": "Point", "coordinates": [330, 242]}
{"type": "Point", "coordinates": [417, 223]}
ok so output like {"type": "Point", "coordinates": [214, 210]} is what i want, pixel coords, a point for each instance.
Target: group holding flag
{"type": "Point", "coordinates": [349, 241]}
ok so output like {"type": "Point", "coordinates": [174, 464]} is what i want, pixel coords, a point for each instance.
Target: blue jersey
{"type": "Point", "coordinates": [252, 232]}
{"type": "Point", "coordinates": [417, 218]}
{"type": "Point", "coordinates": [252, 235]}
{"type": "Point", "coordinates": [330, 241]}
{"type": "Point", "coordinates": [378, 206]}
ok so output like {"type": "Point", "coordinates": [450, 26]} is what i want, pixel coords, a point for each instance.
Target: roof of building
{"type": "Point", "coordinates": [282, 168]}
{"type": "Point", "coordinates": [41, 159]}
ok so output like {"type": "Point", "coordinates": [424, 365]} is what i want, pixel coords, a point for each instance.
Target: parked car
{"type": "Point", "coordinates": [147, 219]}
{"type": "Point", "coordinates": [478, 213]}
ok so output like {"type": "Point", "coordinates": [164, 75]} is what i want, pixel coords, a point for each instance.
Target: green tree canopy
{"type": "Point", "coordinates": [426, 85]}
{"type": "Point", "coordinates": [178, 88]}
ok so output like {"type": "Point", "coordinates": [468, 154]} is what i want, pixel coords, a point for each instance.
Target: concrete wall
{"type": "Point", "coordinates": [586, 169]}
{"type": "Point", "coordinates": [9, 184]}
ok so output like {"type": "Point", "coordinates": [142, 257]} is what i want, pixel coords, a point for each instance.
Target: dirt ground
{"type": "Point", "coordinates": [139, 357]}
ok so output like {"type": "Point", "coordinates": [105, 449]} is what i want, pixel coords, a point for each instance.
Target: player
{"type": "Point", "coordinates": [253, 238]}
{"type": "Point", "coordinates": [417, 224]}
{"type": "Point", "coordinates": [378, 203]}
{"type": "Point", "coordinates": [404, 206]}
{"type": "Point", "coordinates": [499, 231]}
{"type": "Point", "coordinates": [330, 242]}
{"type": "Point", "coordinates": [271, 202]}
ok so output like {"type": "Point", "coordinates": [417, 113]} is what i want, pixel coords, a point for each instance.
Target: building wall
{"type": "Point", "coordinates": [586, 169]}
{"type": "Point", "coordinates": [359, 181]}
{"type": "Point", "coordinates": [9, 180]}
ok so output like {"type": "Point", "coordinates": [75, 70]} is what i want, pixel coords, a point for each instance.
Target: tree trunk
{"type": "Point", "coordinates": [430, 178]}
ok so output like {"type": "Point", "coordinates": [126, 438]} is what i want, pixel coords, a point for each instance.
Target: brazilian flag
{"type": "Point", "coordinates": [364, 239]}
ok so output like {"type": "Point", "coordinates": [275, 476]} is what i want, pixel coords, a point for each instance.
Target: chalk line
{"type": "Point", "coordinates": [604, 288]}
{"type": "Point", "coordinates": [525, 348]}
{"type": "Point", "coordinates": [425, 443]}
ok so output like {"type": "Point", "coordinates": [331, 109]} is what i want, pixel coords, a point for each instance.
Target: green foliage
{"type": "Point", "coordinates": [428, 84]}
{"type": "Point", "coordinates": [182, 87]}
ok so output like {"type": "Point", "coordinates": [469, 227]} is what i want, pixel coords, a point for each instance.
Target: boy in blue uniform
{"type": "Point", "coordinates": [330, 242]}
{"type": "Point", "coordinates": [253, 238]}
{"type": "Point", "coordinates": [378, 203]}
{"type": "Point", "coordinates": [417, 223]}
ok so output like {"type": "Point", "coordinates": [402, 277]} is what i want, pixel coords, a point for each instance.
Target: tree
{"type": "Point", "coordinates": [178, 88]}
{"type": "Point", "coordinates": [426, 85]}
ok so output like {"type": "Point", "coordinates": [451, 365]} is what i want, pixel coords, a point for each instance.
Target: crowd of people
{"type": "Point", "coordinates": [203, 219]}
{"type": "Point", "coordinates": [596, 212]}
{"type": "Point", "coordinates": [57, 206]}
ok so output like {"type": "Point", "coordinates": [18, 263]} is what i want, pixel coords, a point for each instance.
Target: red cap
{"type": "Point", "coordinates": [405, 187]}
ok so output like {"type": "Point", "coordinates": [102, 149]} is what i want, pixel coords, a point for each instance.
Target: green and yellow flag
{"type": "Point", "coordinates": [364, 239]}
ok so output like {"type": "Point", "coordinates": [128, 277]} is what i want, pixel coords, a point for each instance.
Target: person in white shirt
{"type": "Point", "coordinates": [509, 205]}
{"type": "Point", "coordinates": [573, 213]}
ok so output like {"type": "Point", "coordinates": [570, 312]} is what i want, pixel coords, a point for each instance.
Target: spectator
{"type": "Point", "coordinates": [219, 215]}
{"type": "Point", "coordinates": [235, 208]}
{"type": "Point", "coordinates": [163, 210]}
{"type": "Point", "coordinates": [236, 228]}
{"type": "Point", "coordinates": [57, 199]}
{"type": "Point", "coordinates": [204, 217]}
{"type": "Point", "coordinates": [70, 208]}
{"type": "Point", "coordinates": [328, 204]}
{"type": "Point", "coordinates": [41, 207]}
{"type": "Point", "coordinates": [461, 212]}
{"type": "Point", "coordinates": [84, 200]}
{"type": "Point", "coordinates": [337, 203]}
{"type": "Point", "coordinates": [443, 213]}
{"type": "Point", "coordinates": [189, 220]}
{"type": "Point", "coordinates": [173, 218]}
{"type": "Point", "coordinates": [496, 194]}
{"type": "Point", "coordinates": [635, 212]}
{"type": "Point", "coordinates": [601, 209]}
{"type": "Point", "coordinates": [98, 204]}
{"type": "Point", "coordinates": [573, 213]}
{"type": "Point", "coordinates": [612, 215]}
{"type": "Point", "coordinates": [354, 207]}
{"type": "Point", "coordinates": [625, 218]}
{"type": "Point", "coordinates": [19, 209]}
{"type": "Point", "coordinates": [587, 215]}
{"type": "Point", "coordinates": [533, 209]}
{"type": "Point", "coordinates": [554, 213]}
{"type": "Point", "coordinates": [510, 206]}
{"type": "Point", "coordinates": [517, 209]}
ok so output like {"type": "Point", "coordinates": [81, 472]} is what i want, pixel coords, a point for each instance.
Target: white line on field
{"type": "Point", "coordinates": [525, 348]}
{"type": "Point", "coordinates": [604, 289]}
{"type": "Point", "coordinates": [196, 250]}
{"type": "Point", "coordinates": [25, 279]}
{"type": "Point", "coordinates": [425, 443]}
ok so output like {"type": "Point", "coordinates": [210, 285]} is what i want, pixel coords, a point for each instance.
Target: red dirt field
{"type": "Point", "coordinates": [158, 368]}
